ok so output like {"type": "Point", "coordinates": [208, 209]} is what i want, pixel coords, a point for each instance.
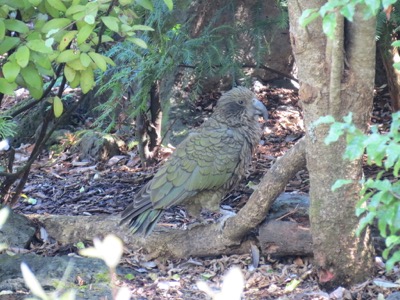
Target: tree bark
{"type": "Point", "coordinates": [336, 77]}
{"type": "Point", "coordinates": [389, 56]}
{"type": "Point", "coordinates": [200, 241]}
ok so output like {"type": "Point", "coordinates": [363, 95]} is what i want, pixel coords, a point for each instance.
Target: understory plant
{"type": "Point", "coordinates": [380, 196]}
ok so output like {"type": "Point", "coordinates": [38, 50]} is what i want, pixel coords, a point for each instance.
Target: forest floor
{"type": "Point", "coordinates": [62, 184]}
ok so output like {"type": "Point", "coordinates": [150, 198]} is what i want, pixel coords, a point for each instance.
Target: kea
{"type": "Point", "coordinates": [205, 166]}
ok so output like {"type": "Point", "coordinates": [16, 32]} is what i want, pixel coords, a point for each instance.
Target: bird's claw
{"type": "Point", "coordinates": [226, 214]}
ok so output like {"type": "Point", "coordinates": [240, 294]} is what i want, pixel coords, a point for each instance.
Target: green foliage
{"type": "Point", "coordinates": [171, 46]}
{"type": "Point", "coordinates": [346, 8]}
{"type": "Point", "coordinates": [380, 198]}
{"type": "Point", "coordinates": [38, 35]}
{"type": "Point", "coordinates": [7, 127]}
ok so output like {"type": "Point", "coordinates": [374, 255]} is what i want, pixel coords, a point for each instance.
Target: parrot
{"type": "Point", "coordinates": [205, 166]}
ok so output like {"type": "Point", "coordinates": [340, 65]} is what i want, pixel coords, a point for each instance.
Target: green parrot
{"type": "Point", "coordinates": [205, 166]}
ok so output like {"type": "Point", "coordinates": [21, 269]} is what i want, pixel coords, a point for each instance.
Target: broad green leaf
{"type": "Point", "coordinates": [329, 24]}
{"type": "Point", "coordinates": [34, 92]}
{"type": "Point", "coordinates": [142, 27]}
{"type": "Point", "coordinates": [32, 77]}
{"type": "Point", "coordinates": [87, 80]}
{"type": "Point", "coordinates": [54, 24]}
{"type": "Point", "coordinates": [396, 168]}
{"type": "Point", "coordinates": [396, 44]}
{"type": "Point", "coordinates": [395, 257]}
{"type": "Point", "coordinates": [125, 2]}
{"type": "Point", "coordinates": [44, 71]}
{"type": "Point", "coordinates": [392, 154]}
{"type": "Point", "coordinates": [138, 42]}
{"type": "Point", "coordinates": [396, 66]}
{"type": "Point", "coordinates": [146, 4]}
{"type": "Point", "coordinates": [22, 56]}
{"type": "Point", "coordinates": [376, 145]}
{"type": "Point", "coordinates": [111, 23]}
{"type": "Point", "coordinates": [324, 120]}
{"type": "Point", "coordinates": [16, 25]}
{"type": "Point", "coordinates": [6, 87]}
{"type": "Point", "coordinates": [85, 47]}
{"type": "Point", "coordinates": [99, 60]}
{"type": "Point", "coordinates": [382, 225]}
{"type": "Point", "coordinates": [109, 61]}
{"type": "Point", "coordinates": [8, 43]}
{"type": "Point", "coordinates": [169, 4]}
{"type": "Point", "coordinates": [2, 29]}
{"type": "Point", "coordinates": [127, 29]}
{"type": "Point", "coordinates": [348, 11]}
{"type": "Point", "coordinates": [335, 132]}
{"type": "Point", "coordinates": [79, 16]}
{"type": "Point", "coordinates": [35, 3]}
{"type": "Point", "coordinates": [84, 33]}
{"type": "Point", "coordinates": [308, 16]}
{"type": "Point", "coordinates": [11, 70]}
{"type": "Point", "coordinates": [74, 83]}
{"type": "Point", "coordinates": [392, 240]}
{"type": "Point", "coordinates": [85, 59]}
{"type": "Point", "coordinates": [373, 8]}
{"type": "Point", "coordinates": [49, 43]}
{"type": "Point", "coordinates": [69, 73]}
{"type": "Point", "coordinates": [90, 19]}
{"type": "Point", "coordinates": [355, 146]}
{"type": "Point", "coordinates": [339, 183]}
{"type": "Point", "coordinates": [104, 39]}
{"type": "Point", "coordinates": [67, 56]}
{"type": "Point", "coordinates": [58, 107]}
{"type": "Point", "coordinates": [365, 221]}
{"type": "Point", "coordinates": [50, 10]}
{"type": "Point", "coordinates": [66, 39]}
{"type": "Point", "coordinates": [349, 118]}
{"type": "Point", "coordinates": [76, 64]}
{"type": "Point", "coordinates": [73, 9]}
{"type": "Point", "coordinates": [57, 4]}
{"type": "Point", "coordinates": [39, 46]}
{"type": "Point", "coordinates": [329, 7]}
{"type": "Point", "coordinates": [41, 60]}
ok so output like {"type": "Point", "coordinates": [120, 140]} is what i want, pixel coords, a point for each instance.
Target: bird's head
{"type": "Point", "coordinates": [240, 103]}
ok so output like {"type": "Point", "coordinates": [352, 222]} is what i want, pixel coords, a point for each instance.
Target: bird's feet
{"type": "Point", "coordinates": [226, 214]}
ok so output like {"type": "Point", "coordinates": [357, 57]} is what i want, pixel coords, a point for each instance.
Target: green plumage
{"type": "Point", "coordinates": [205, 166]}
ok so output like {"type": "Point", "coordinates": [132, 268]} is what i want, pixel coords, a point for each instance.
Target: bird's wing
{"type": "Point", "coordinates": [204, 160]}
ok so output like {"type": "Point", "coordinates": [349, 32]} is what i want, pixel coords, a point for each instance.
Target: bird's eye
{"type": "Point", "coordinates": [240, 101]}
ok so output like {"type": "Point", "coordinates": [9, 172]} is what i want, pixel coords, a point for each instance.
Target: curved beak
{"type": "Point", "coordinates": [260, 109]}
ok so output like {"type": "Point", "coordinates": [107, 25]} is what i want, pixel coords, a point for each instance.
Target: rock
{"type": "Point", "coordinates": [89, 277]}
{"type": "Point", "coordinates": [97, 146]}
{"type": "Point", "coordinates": [17, 232]}
{"type": "Point", "coordinates": [296, 204]}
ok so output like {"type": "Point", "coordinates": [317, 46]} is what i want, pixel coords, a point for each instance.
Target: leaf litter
{"type": "Point", "coordinates": [64, 185]}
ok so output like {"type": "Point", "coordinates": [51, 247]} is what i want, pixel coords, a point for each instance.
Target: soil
{"type": "Point", "coordinates": [62, 184]}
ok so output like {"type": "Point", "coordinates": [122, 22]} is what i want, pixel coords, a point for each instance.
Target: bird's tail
{"type": "Point", "coordinates": [141, 220]}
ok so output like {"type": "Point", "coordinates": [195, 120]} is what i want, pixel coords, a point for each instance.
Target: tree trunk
{"type": "Point", "coordinates": [148, 129]}
{"type": "Point", "coordinates": [336, 77]}
{"type": "Point", "coordinates": [389, 56]}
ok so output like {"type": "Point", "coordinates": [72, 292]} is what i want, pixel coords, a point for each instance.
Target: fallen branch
{"type": "Point", "coordinates": [200, 241]}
